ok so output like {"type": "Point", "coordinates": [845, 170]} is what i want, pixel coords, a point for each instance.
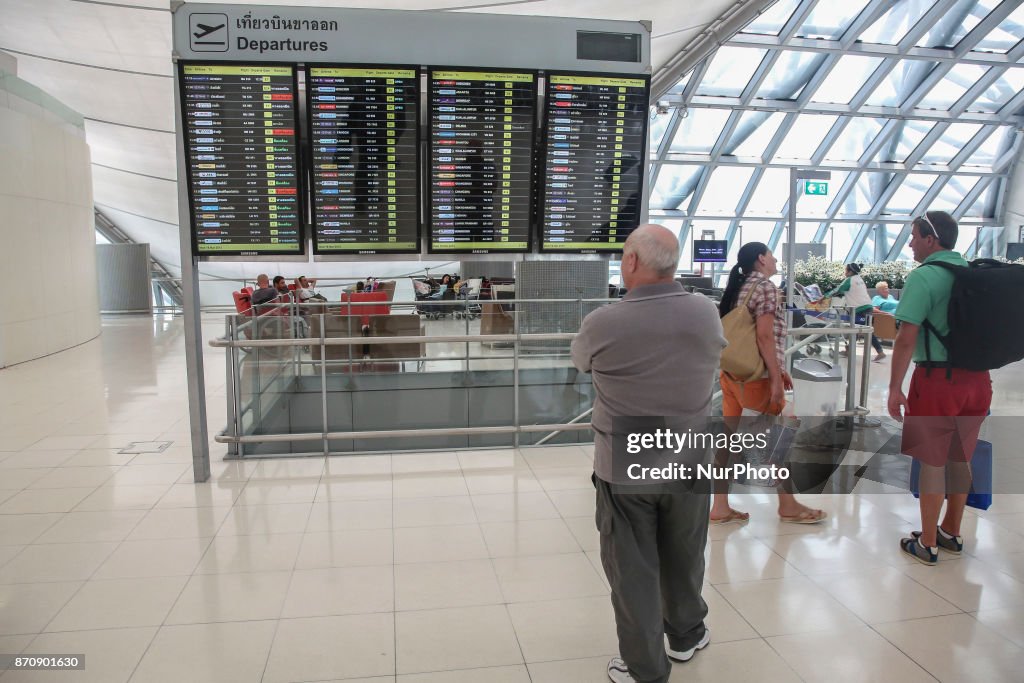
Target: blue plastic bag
{"type": "Point", "coordinates": [980, 496]}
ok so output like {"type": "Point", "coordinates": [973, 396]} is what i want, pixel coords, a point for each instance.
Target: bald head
{"type": "Point", "coordinates": [262, 280]}
{"type": "Point", "coordinates": [652, 252]}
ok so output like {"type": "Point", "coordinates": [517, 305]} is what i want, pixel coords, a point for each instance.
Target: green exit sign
{"type": "Point", "coordinates": [815, 187]}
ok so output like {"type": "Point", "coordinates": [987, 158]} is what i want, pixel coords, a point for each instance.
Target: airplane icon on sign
{"type": "Point", "coordinates": [206, 30]}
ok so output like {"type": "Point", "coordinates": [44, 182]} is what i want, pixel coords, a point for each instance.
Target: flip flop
{"type": "Point", "coordinates": [806, 517]}
{"type": "Point", "coordinates": [734, 516]}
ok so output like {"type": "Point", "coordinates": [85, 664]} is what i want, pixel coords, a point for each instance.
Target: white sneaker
{"type": "Point", "coordinates": [618, 672]}
{"type": "Point", "coordinates": [687, 655]}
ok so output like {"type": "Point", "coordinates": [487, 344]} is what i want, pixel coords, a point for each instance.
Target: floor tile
{"type": "Point", "coordinates": [786, 606]}
{"type": "Point", "coordinates": [564, 478]}
{"type": "Point", "coordinates": [339, 515]}
{"type": "Point", "coordinates": [529, 537]}
{"type": "Point", "coordinates": [412, 463]}
{"type": "Point", "coordinates": [507, 507]}
{"type": "Point", "coordinates": [22, 478]}
{"type": "Point", "coordinates": [23, 529]}
{"type": "Point", "coordinates": [359, 487]}
{"type": "Point", "coordinates": [189, 495]}
{"type": "Point", "coordinates": [148, 475]}
{"type": "Point", "coordinates": [857, 654]}
{"type": "Point", "coordinates": [323, 648]}
{"type": "Point", "coordinates": [439, 544]}
{"type": "Point", "coordinates": [547, 577]}
{"type": "Point", "coordinates": [70, 477]}
{"type": "Point", "coordinates": [352, 548]}
{"type": "Point", "coordinates": [44, 500]}
{"type": "Point", "coordinates": [498, 458]}
{"type": "Point", "coordinates": [412, 512]}
{"type": "Point", "coordinates": [233, 554]}
{"type": "Point", "coordinates": [556, 456]}
{"type": "Point", "coordinates": [824, 554]}
{"type": "Point", "coordinates": [255, 520]}
{"type": "Point", "coordinates": [56, 562]}
{"type": "Point", "coordinates": [179, 523]}
{"type": "Point", "coordinates": [1006, 622]}
{"type": "Point", "coordinates": [104, 525]}
{"type": "Point", "coordinates": [584, 530]}
{"type": "Point", "coordinates": [250, 596]}
{"type": "Point", "coordinates": [110, 655]}
{"type": "Point", "coordinates": [28, 607]}
{"type": "Point", "coordinates": [881, 595]}
{"type": "Point", "coordinates": [119, 603]}
{"type": "Point", "coordinates": [498, 674]}
{"type": "Point", "coordinates": [267, 492]}
{"type": "Point", "coordinates": [725, 622]}
{"type": "Point", "coordinates": [980, 654]}
{"type": "Point", "coordinates": [455, 638]}
{"type": "Point", "coordinates": [574, 503]}
{"type": "Point", "coordinates": [30, 458]}
{"type": "Point", "coordinates": [102, 457]}
{"type": "Point", "coordinates": [207, 653]}
{"type": "Point", "coordinates": [347, 465]}
{"type": "Point", "coordinates": [565, 629]}
{"type": "Point", "coordinates": [429, 484]}
{"type": "Point", "coordinates": [123, 498]}
{"type": "Point", "coordinates": [435, 585]}
{"type": "Point", "coordinates": [484, 482]}
{"type": "Point", "coordinates": [340, 590]}
{"type": "Point", "coordinates": [164, 557]}
{"type": "Point", "coordinates": [969, 583]}
{"type": "Point", "coordinates": [289, 468]}
{"type": "Point", "coordinates": [742, 558]}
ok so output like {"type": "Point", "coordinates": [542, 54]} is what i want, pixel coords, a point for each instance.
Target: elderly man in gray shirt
{"type": "Point", "coordinates": [655, 353]}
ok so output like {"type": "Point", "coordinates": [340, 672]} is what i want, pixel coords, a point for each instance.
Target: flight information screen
{"type": "Point", "coordinates": [595, 128]}
{"type": "Point", "coordinates": [240, 129]}
{"type": "Point", "coordinates": [365, 156]}
{"type": "Point", "coordinates": [481, 147]}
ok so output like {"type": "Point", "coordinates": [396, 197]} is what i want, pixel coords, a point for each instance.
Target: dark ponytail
{"type": "Point", "coordinates": [745, 261]}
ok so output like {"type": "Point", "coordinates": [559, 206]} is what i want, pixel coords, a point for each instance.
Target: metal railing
{"type": "Point", "coordinates": [269, 360]}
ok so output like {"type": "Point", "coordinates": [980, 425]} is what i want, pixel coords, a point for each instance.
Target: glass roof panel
{"type": "Point", "coordinates": [950, 144]}
{"type": "Point", "coordinates": [771, 193]}
{"type": "Point", "coordinates": [977, 209]}
{"type": "Point", "coordinates": [771, 21]}
{"type": "Point", "coordinates": [892, 26]}
{"type": "Point", "coordinates": [753, 133]}
{"type": "Point", "coordinates": [900, 82]}
{"type": "Point", "coordinates": [830, 18]}
{"type": "Point", "coordinates": [805, 136]}
{"type": "Point", "coordinates": [656, 129]}
{"type": "Point", "coordinates": [854, 139]}
{"type": "Point", "coordinates": [952, 86]}
{"type": "Point", "coordinates": [724, 189]}
{"type": "Point", "coordinates": [957, 23]}
{"type": "Point", "coordinates": [910, 193]}
{"type": "Point", "coordinates": [730, 71]}
{"type": "Point", "coordinates": [1006, 35]}
{"type": "Point", "coordinates": [1000, 92]}
{"type": "Point", "coordinates": [673, 181]}
{"type": "Point", "coordinates": [986, 154]}
{"type": "Point", "coordinates": [905, 140]}
{"type": "Point", "coordinates": [846, 79]}
{"type": "Point", "coordinates": [954, 192]}
{"type": "Point", "coordinates": [789, 75]}
{"type": "Point", "coordinates": [699, 131]}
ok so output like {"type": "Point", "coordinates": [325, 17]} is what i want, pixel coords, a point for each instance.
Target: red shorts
{"type": "Point", "coordinates": [944, 415]}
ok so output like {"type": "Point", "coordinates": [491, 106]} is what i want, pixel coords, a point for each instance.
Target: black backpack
{"type": "Point", "coordinates": [977, 305]}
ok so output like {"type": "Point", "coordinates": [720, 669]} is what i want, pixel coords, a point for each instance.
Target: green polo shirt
{"type": "Point", "coordinates": [926, 296]}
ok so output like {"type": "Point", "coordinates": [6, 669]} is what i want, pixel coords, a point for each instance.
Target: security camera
{"type": "Point", "coordinates": [663, 107]}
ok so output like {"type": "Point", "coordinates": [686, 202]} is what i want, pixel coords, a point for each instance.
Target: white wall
{"type": "Point", "coordinates": [47, 239]}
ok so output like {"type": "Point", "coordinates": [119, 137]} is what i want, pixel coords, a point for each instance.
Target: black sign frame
{"type": "Point", "coordinates": [429, 170]}
{"type": "Point", "coordinates": [300, 188]}
{"type": "Point", "coordinates": [542, 179]}
{"type": "Point", "coordinates": [308, 148]}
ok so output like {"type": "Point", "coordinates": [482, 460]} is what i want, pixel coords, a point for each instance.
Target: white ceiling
{"type": "Point", "coordinates": [111, 62]}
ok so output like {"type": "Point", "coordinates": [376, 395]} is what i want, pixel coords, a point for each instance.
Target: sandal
{"type": "Point", "coordinates": [808, 516]}
{"type": "Point", "coordinates": [734, 516]}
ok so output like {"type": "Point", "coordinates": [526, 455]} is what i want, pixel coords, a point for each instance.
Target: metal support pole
{"type": "Point", "coordinates": [791, 236]}
{"type": "Point", "coordinates": [323, 379]}
{"type": "Point", "coordinates": [190, 305]}
{"type": "Point", "coordinates": [865, 366]}
{"type": "Point", "coordinates": [235, 386]}
{"type": "Point", "coordinates": [515, 376]}
{"type": "Point", "coordinates": [851, 359]}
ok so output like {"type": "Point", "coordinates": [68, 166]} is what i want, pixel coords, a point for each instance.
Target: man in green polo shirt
{"type": "Point", "coordinates": [943, 410]}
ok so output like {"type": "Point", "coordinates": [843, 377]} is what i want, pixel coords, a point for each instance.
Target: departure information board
{"type": "Point", "coordinates": [595, 129]}
{"type": "Point", "coordinates": [365, 158]}
{"type": "Point", "coordinates": [481, 147]}
{"type": "Point", "coordinates": [240, 125]}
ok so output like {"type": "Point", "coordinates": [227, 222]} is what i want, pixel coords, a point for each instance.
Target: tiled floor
{"type": "Point", "coordinates": [443, 567]}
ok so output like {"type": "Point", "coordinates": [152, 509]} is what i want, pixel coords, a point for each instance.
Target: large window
{"type": "Point", "coordinates": [910, 104]}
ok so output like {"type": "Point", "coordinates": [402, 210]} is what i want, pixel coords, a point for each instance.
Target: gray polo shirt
{"type": "Point", "coordinates": [655, 353]}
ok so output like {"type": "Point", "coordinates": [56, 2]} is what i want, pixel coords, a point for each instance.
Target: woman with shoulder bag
{"type": "Point", "coordinates": [759, 391]}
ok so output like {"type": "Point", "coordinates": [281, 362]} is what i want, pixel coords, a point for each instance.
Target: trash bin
{"type": "Point", "coordinates": [817, 387]}
{"type": "Point", "coordinates": [818, 394]}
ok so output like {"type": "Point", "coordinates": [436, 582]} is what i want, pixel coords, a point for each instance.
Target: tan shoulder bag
{"type": "Point", "coordinates": [741, 358]}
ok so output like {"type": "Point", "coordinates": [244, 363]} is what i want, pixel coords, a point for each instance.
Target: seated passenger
{"type": "Point", "coordinates": [442, 288]}
{"type": "Point", "coordinates": [305, 292]}
{"type": "Point", "coordinates": [264, 293]}
{"type": "Point", "coordinates": [281, 286]}
{"type": "Point", "coordinates": [883, 300]}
